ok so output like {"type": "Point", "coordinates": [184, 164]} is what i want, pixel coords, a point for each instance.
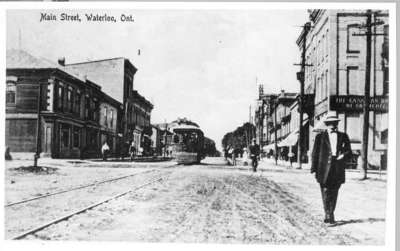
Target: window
{"type": "Point", "coordinates": [76, 137]}
{"type": "Point", "coordinates": [87, 107]}
{"type": "Point", "coordinates": [77, 108]}
{"type": "Point", "coordinates": [105, 116]}
{"type": "Point", "coordinates": [60, 96]}
{"type": "Point", "coordinates": [326, 44]}
{"type": "Point", "coordinates": [322, 86]}
{"type": "Point", "coordinates": [385, 80]}
{"type": "Point", "coordinates": [354, 86]}
{"type": "Point", "coordinates": [11, 93]}
{"type": "Point", "coordinates": [64, 136]}
{"type": "Point", "coordinates": [95, 110]}
{"type": "Point", "coordinates": [326, 84]}
{"type": "Point", "coordinates": [317, 90]}
{"type": "Point", "coordinates": [111, 119]}
{"type": "Point", "coordinates": [353, 125]}
{"type": "Point", "coordinates": [353, 42]}
{"type": "Point", "coordinates": [69, 100]}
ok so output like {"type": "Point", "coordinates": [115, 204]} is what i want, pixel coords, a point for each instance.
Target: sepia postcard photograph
{"type": "Point", "coordinates": [193, 123]}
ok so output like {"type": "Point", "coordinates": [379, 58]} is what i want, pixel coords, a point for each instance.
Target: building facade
{"type": "Point", "coordinates": [116, 78]}
{"type": "Point", "coordinates": [68, 109]}
{"type": "Point", "coordinates": [335, 74]}
{"type": "Point", "coordinates": [138, 121]}
{"type": "Point", "coordinates": [110, 131]}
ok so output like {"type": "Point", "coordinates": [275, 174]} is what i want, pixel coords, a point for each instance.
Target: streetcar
{"type": "Point", "coordinates": [187, 142]}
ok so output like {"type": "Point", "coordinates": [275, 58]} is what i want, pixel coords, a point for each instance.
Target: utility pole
{"type": "Point", "coordinates": [275, 133]}
{"type": "Point", "coordinates": [38, 131]}
{"type": "Point", "coordinates": [261, 114]}
{"type": "Point", "coordinates": [364, 152]}
{"type": "Point", "coordinates": [368, 34]}
{"type": "Point", "coordinates": [301, 78]}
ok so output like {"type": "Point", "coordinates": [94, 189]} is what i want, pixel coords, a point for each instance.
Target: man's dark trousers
{"type": "Point", "coordinates": [329, 198]}
{"type": "Point", "coordinates": [329, 192]}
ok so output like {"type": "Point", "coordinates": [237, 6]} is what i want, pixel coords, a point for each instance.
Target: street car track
{"type": "Point", "coordinates": [81, 187]}
{"type": "Point", "coordinates": [83, 210]}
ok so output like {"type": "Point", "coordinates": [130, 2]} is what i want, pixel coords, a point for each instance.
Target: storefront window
{"type": "Point", "coordinates": [76, 136]}
{"type": "Point", "coordinates": [65, 136]}
{"type": "Point", "coordinates": [353, 125]}
{"type": "Point", "coordinates": [11, 93]}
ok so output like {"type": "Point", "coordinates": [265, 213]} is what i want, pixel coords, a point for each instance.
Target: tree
{"type": "Point", "coordinates": [209, 147]}
{"type": "Point", "coordinates": [240, 137]}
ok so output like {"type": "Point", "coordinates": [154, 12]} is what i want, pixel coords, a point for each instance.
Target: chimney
{"type": "Point", "coordinates": [61, 61]}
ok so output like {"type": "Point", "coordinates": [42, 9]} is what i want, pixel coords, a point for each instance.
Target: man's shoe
{"type": "Point", "coordinates": [326, 220]}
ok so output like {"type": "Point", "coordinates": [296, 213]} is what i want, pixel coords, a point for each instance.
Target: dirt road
{"type": "Point", "coordinates": [208, 203]}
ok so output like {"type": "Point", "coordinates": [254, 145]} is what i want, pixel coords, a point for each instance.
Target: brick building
{"type": "Point", "coordinates": [116, 78]}
{"type": "Point", "coordinates": [71, 123]}
{"type": "Point", "coordinates": [335, 74]}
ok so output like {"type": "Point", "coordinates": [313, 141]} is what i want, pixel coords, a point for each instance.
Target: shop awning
{"type": "Point", "coordinates": [290, 140]}
{"type": "Point", "coordinates": [269, 147]}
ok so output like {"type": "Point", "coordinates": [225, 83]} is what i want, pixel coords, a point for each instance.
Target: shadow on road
{"type": "Point", "coordinates": [345, 222]}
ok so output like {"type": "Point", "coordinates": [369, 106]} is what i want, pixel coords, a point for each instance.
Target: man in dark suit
{"type": "Point", "coordinates": [254, 154]}
{"type": "Point", "coordinates": [331, 151]}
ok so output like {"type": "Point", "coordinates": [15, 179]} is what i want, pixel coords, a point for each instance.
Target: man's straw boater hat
{"type": "Point", "coordinates": [331, 117]}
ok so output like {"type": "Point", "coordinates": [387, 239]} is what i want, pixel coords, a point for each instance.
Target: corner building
{"type": "Point", "coordinates": [335, 75]}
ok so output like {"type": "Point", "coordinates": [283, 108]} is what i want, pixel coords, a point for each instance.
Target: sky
{"type": "Point", "coordinates": [204, 65]}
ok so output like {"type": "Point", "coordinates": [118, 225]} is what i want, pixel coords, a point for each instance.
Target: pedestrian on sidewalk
{"type": "Point", "coordinates": [254, 154]}
{"type": "Point", "coordinates": [245, 156]}
{"type": "Point", "coordinates": [331, 151]}
{"type": "Point", "coordinates": [291, 156]}
{"type": "Point", "coordinates": [132, 150]}
{"type": "Point", "coordinates": [104, 150]}
{"type": "Point", "coordinates": [232, 155]}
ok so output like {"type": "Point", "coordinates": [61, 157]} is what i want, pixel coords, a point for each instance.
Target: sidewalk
{"type": "Point", "coordinates": [269, 164]}
{"type": "Point", "coordinates": [111, 162]}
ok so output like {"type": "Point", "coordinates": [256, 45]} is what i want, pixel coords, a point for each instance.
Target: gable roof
{"type": "Point", "coordinates": [22, 59]}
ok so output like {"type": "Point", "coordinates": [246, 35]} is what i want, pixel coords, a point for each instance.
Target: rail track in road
{"type": "Point", "coordinates": [85, 209]}
{"type": "Point", "coordinates": [77, 188]}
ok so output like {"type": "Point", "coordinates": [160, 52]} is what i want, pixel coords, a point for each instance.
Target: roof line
{"type": "Point", "coordinates": [95, 61]}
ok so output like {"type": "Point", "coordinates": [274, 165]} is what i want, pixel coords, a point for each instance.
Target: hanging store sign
{"type": "Point", "coordinates": [356, 103]}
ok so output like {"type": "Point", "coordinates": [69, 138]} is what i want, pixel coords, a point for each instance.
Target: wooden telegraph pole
{"type": "Point", "coordinates": [38, 125]}
{"type": "Point", "coordinates": [364, 152]}
{"type": "Point", "coordinates": [368, 34]}
{"type": "Point", "coordinates": [301, 78]}
{"type": "Point", "coordinates": [275, 133]}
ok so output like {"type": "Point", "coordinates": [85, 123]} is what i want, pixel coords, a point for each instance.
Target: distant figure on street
{"type": "Point", "coordinates": [231, 152]}
{"type": "Point", "coordinates": [104, 150]}
{"type": "Point", "coordinates": [331, 151]}
{"type": "Point", "coordinates": [125, 150]}
{"type": "Point", "coordinates": [226, 154]}
{"type": "Point", "coordinates": [132, 150]}
{"type": "Point", "coordinates": [291, 157]}
{"type": "Point", "coordinates": [254, 154]}
{"type": "Point", "coordinates": [245, 157]}
{"type": "Point", "coordinates": [8, 154]}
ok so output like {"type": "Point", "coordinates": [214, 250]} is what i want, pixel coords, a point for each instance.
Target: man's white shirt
{"type": "Point", "coordinates": [333, 141]}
